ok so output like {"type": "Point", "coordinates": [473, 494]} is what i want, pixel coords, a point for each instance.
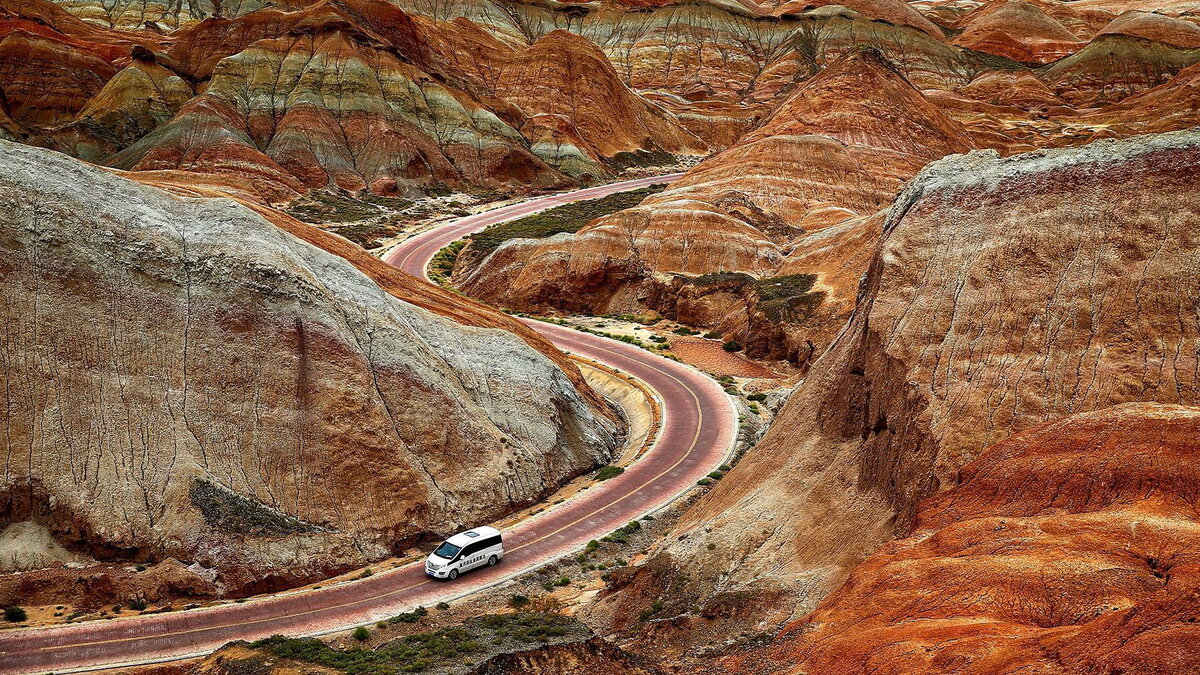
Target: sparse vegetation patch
{"type": "Point", "coordinates": [225, 510]}
{"type": "Point", "coordinates": [788, 299]}
{"type": "Point", "coordinates": [319, 206]}
{"type": "Point", "coordinates": [438, 651]}
{"type": "Point", "coordinates": [569, 218]}
{"type": "Point", "coordinates": [610, 471]}
{"type": "Point", "coordinates": [622, 534]}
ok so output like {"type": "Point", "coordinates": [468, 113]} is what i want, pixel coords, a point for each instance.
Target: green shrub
{"type": "Point", "coordinates": [757, 397]}
{"type": "Point", "coordinates": [441, 266]}
{"type": "Point", "coordinates": [732, 346]}
{"type": "Point", "coordinates": [409, 617]}
{"type": "Point", "coordinates": [361, 633]}
{"type": "Point", "coordinates": [137, 604]}
{"type": "Point", "coordinates": [654, 608]}
{"type": "Point", "coordinates": [712, 335]}
{"type": "Point", "coordinates": [443, 605]}
{"type": "Point", "coordinates": [15, 614]}
{"type": "Point", "coordinates": [621, 534]}
{"type": "Point", "coordinates": [631, 158]}
{"type": "Point", "coordinates": [517, 601]}
{"type": "Point", "coordinates": [610, 471]}
{"type": "Point", "coordinates": [722, 278]}
{"type": "Point", "coordinates": [319, 206]}
{"type": "Point", "coordinates": [563, 581]}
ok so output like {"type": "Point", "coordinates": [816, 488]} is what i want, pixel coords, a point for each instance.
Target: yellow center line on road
{"type": "Point", "coordinates": [608, 505]}
{"type": "Point", "coordinates": [691, 448]}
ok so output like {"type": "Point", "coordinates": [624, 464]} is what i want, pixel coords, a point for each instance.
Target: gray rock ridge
{"type": "Point", "coordinates": [151, 341]}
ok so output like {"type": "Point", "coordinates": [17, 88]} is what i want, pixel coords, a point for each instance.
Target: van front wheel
{"type": "Point", "coordinates": [453, 575]}
{"type": "Point", "coordinates": [492, 561]}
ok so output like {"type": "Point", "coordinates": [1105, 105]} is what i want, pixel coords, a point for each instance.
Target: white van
{"type": "Point", "coordinates": [465, 551]}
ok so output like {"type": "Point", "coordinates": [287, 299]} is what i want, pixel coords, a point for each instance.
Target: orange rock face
{"type": "Point", "coordinates": [1004, 293]}
{"type": "Point", "coordinates": [133, 103]}
{"type": "Point", "coordinates": [1174, 104]}
{"type": "Point", "coordinates": [331, 110]}
{"type": "Point", "coordinates": [1017, 30]}
{"type": "Point", "coordinates": [1022, 89]}
{"type": "Point", "coordinates": [51, 63]}
{"type": "Point", "coordinates": [1157, 27]}
{"type": "Point", "coordinates": [1073, 547]}
{"type": "Point", "coordinates": [1113, 67]}
{"type": "Point", "coordinates": [476, 101]}
{"type": "Point", "coordinates": [350, 94]}
{"type": "Point", "coordinates": [838, 147]}
{"type": "Point", "coordinates": [47, 80]}
{"type": "Point", "coordinates": [892, 11]}
{"type": "Point", "coordinates": [565, 76]}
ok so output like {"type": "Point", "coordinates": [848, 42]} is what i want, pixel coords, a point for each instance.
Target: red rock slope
{"type": "Point", "coordinates": [1157, 27]}
{"type": "Point", "coordinates": [1017, 30]}
{"type": "Point", "coordinates": [839, 146]}
{"type": "Point", "coordinates": [51, 63]}
{"type": "Point", "coordinates": [1005, 293]}
{"type": "Point", "coordinates": [1070, 548]}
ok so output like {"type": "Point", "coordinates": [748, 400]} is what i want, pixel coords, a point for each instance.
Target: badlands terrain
{"type": "Point", "coordinates": [890, 314]}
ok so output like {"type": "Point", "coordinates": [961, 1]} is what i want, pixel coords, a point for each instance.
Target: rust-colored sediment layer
{"type": "Point", "coordinates": [1073, 547]}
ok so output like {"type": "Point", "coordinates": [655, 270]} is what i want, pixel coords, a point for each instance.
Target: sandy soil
{"type": "Point", "coordinates": [710, 356]}
{"type": "Point", "coordinates": [28, 546]}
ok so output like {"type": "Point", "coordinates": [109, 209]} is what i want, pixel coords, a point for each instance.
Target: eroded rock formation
{"type": "Point", "coordinates": [185, 379]}
{"type": "Point", "coordinates": [837, 148]}
{"type": "Point", "coordinates": [1017, 30]}
{"type": "Point", "coordinates": [1073, 547]}
{"type": "Point", "coordinates": [1004, 293]}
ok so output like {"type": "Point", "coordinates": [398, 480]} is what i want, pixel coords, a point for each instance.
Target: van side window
{"type": "Point", "coordinates": [471, 549]}
{"type": "Point", "coordinates": [490, 542]}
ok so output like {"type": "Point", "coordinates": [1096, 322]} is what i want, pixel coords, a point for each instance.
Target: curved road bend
{"type": "Point", "coordinates": [698, 427]}
{"type": "Point", "coordinates": [413, 255]}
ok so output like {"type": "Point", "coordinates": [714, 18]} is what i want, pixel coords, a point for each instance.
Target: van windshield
{"type": "Point", "coordinates": [447, 550]}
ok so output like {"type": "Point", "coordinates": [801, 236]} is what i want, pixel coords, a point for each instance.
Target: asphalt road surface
{"type": "Point", "coordinates": [699, 424]}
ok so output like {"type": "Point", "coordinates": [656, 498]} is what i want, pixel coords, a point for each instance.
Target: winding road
{"type": "Point", "coordinates": [699, 425]}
